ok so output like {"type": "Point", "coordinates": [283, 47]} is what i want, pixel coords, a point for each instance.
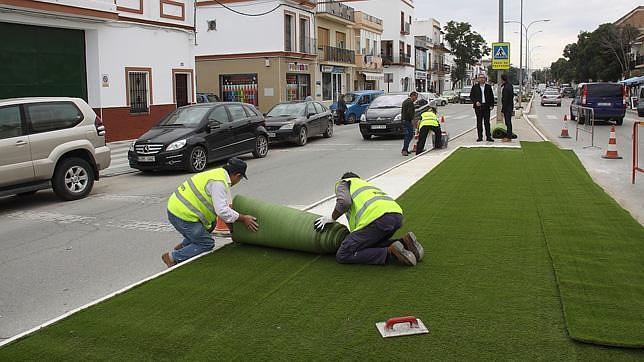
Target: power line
{"type": "Point", "coordinates": [247, 14]}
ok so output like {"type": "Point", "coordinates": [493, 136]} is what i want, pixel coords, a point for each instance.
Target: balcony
{"type": "Point", "coordinates": [440, 68]}
{"type": "Point", "coordinates": [336, 55]}
{"type": "Point", "coordinates": [396, 60]}
{"type": "Point", "coordinates": [405, 28]}
{"type": "Point", "coordinates": [422, 42]}
{"type": "Point", "coordinates": [368, 21]}
{"type": "Point", "coordinates": [337, 10]}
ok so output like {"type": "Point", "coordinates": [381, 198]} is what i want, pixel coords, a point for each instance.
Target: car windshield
{"type": "Point", "coordinates": [550, 93]}
{"type": "Point", "coordinates": [287, 110]}
{"type": "Point", "coordinates": [350, 98]}
{"type": "Point", "coordinates": [389, 101]}
{"type": "Point", "coordinates": [187, 117]}
{"type": "Point", "coordinates": [605, 90]}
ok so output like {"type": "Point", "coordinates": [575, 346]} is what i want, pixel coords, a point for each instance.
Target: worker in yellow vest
{"type": "Point", "coordinates": [428, 122]}
{"type": "Point", "coordinates": [373, 218]}
{"type": "Point", "coordinates": [194, 208]}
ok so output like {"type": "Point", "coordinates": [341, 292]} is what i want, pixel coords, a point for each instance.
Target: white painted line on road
{"type": "Point", "coordinates": [129, 198]}
{"type": "Point", "coordinates": [462, 116]}
{"type": "Point", "coordinates": [51, 217]}
{"type": "Point", "coordinates": [550, 116]}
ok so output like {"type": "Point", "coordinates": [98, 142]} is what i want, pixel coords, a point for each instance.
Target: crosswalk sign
{"type": "Point", "coordinates": [500, 55]}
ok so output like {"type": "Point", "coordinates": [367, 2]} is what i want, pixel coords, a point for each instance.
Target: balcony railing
{"type": "Point", "coordinates": [371, 19]}
{"type": "Point", "coordinates": [405, 28]}
{"type": "Point", "coordinates": [440, 68]}
{"type": "Point", "coordinates": [393, 60]}
{"type": "Point", "coordinates": [338, 9]}
{"type": "Point", "coordinates": [337, 55]}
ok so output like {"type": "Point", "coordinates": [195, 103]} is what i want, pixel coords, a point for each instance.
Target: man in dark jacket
{"type": "Point", "coordinates": [507, 105]}
{"type": "Point", "coordinates": [483, 99]}
{"type": "Point", "coordinates": [341, 108]}
{"type": "Point", "coordinates": [407, 115]}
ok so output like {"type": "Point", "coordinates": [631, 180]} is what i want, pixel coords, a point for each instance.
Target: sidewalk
{"type": "Point", "coordinates": [120, 165]}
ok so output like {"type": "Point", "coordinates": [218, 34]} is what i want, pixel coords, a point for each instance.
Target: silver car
{"type": "Point", "coordinates": [551, 97]}
{"type": "Point", "coordinates": [50, 142]}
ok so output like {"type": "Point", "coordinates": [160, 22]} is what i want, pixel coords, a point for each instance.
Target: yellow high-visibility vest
{"type": "Point", "coordinates": [428, 118]}
{"type": "Point", "coordinates": [368, 204]}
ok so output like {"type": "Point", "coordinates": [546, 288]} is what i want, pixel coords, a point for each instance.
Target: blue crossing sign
{"type": "Point", "coordinates": [500, 55]}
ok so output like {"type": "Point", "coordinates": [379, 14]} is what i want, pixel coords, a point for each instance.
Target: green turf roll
{"type": "Point", "coordinates": [285, 227]}
{"type": "Point", "coordinates": [499, 131]}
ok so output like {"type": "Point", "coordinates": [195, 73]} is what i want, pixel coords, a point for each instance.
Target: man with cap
{"type": "Point", "coordinates": [428, 122]}
{"type": "Point", "coordinates": [374, 218]}
{"type": "Point", "coordinates": [194, 208]}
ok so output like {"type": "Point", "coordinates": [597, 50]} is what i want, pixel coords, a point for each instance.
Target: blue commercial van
{"type": "Point", "coordinates": [357, 102]}
{"type": "Point", "coordinates": [608, 101]}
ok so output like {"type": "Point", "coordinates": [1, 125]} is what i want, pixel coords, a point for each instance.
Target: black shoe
{"type": "Point", "coordinates": [490, 140]}
{"type": "Point", "coordinates": [479, 139]}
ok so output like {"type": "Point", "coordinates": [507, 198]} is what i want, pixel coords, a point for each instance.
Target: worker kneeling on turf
{"type": "Point", "coordinates": [194, 208]}
{"type": "Point", "coordinates": [373, 218]}
{"type": "Point", "coordinates": [428, 122]}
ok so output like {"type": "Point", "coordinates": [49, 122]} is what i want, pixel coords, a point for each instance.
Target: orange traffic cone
{"type": "Point", "coordinates": [565, 117]}
{"type": "Point", "coordinates": [416, 132]}
{"type": "Point", "coordinates": [221, 228]}
{"type": "Point", "coordinates": [564, 129]}
{"type": "Point", "coordinates": [611, 151]}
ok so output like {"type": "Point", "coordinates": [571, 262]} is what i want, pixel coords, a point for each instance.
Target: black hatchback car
{"type": "Point", "coordinates": [297, 121]}
{"type": "Point", "coordinates": [191, 137]}
{"type": "Point", "coordinates": [383, 117]}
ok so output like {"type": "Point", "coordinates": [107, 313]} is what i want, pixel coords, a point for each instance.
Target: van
{"type": "Point", "coordinates": [357, 102]}
{"type": "Point", "coordinates": [608, 101]}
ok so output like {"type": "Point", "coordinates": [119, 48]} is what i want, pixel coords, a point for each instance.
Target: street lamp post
{"type": "Point", "coordinates": [499, 115]}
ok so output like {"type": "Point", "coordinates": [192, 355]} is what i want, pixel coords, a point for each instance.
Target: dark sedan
{"type": "Point", "coordinates": [191, 137]}
{"type": "Point", "coordinates": [297, 121]}
{"type": "Point", "coordinates": [383, 117]}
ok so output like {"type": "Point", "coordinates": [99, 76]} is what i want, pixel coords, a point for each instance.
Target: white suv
{"type": "Point", "coordinates": [50, 142]}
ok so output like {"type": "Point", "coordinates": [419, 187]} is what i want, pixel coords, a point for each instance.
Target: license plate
{"type": "Point", "coordinates": [271, 134]}
{"type": "Point", "coordinates": [379, 126]}
{"type": "Point", "coordinates": [146, 159]}
{"type": "Point", "coordinates": [604, 104]}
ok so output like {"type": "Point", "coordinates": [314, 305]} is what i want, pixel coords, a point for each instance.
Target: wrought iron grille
{"type": "Point", "coordinates": [138, 82]}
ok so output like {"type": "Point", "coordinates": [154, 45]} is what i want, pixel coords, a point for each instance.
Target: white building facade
{"type": "Point", "coordinates": [397, 45]}
{"type": "Point", "coordinates": [438, 66]}
{"type": "Point", "coordinates": [131, 60]}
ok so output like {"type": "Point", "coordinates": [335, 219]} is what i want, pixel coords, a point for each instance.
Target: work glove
{"type": "Point", "coordinates": [321, 222]}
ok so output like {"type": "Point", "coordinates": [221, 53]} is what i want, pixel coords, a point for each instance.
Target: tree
{"type": "Point", "coordinates": [467, 46]}
{"type": "Point", "coordinates": [513, 74]}
{"type": "Point", "coordinates": [615, 41]}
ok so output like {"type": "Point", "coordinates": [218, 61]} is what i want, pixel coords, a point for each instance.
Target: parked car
{"type": "Point", "coordinates": [551, 97]}
{"type": "Point", "coordinates": [451, 96]}
{"type": "Point", "coordinates": [568, 92]}
{"type": "Point", "coordinates": [297, 121]}
{"type": "Point", "coordinates": [207, 98]}
{"type": "Point", "coordinates": [383, 117]}
{"type": "Point", "coordinates": [440, 101]}
{"type": "Point", "coordinates": [608, 101]}
{"type": "Point", "coordinates": [357, 102]}
{"type": "Point", "coordinates": [640, 104]}
{"type": "Point", "coordinates": [464, 95]}
{"type": "Point", "coordinates": [51, 142]}
{"type": "Point", "coordinates": [191, 137]}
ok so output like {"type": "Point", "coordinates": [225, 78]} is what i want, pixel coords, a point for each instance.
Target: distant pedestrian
{"type": "Point", "coordinates": [507, 106]}
{"type": "Point", "coordinates": [408, 113]}
{"type": "Point", "coordinates": [193, 210]}
{"type": "Point", "coordinates": [483, 99]}
{"type": "Point", "coordinates": [341, 108]}
{"type": "Point", "coordinates": [428, 122]}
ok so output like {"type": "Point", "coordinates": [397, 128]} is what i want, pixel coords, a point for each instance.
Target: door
{"type": "Point", "coordinates": [337, 85]}
{"type": "Point", "coordinates": [314, 122]}
{"type": "Point", "coordinates": [16, 165]}
{"type": "Point", "coordinates": [242, 127]}
{"type": "Point", "coordinates": [221, 137]}
{"type": "Point", "coordinates": [325, 117]}
{"type": "Point", "coordinates": [363, 103]}
{"type": "Point", "coordinates": [181, 89]}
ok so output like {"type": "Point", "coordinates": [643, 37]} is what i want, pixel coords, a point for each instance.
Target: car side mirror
{"type": "Point", "coordinates": [214, 125]}
{"type": "Point", "coordinates": [310, 115]}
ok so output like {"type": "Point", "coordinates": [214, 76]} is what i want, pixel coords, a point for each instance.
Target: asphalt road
{"type": "Point", "coordinates": [57, 256]}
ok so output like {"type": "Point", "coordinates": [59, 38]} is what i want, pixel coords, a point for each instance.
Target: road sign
{"type": "Point", "coordinates": [500, 55]}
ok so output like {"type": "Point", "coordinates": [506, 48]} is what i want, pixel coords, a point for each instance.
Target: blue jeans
{"type": "Point", "coordinates": [409, 134]}
{"type": "Point", "coordinates": [196, 239]}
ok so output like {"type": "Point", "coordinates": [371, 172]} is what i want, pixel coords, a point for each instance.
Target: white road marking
{"type": "Point", "coordinates": [550, 116]}
{"type": "Point", "coordinates": [52, 217]}
{"type": "Point", "coordinates": [462, 116]}
{"type": "Point", "coordinates": [130, 198]}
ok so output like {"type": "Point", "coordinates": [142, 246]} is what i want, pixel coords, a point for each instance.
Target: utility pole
{"type": "Point", "coordinates": [521, 60]}
{"type": "Point", "coordinates": [499, 115]}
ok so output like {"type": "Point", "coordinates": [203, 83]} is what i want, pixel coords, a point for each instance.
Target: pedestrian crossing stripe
{"type": "Point", "coordinates": [500, 53]}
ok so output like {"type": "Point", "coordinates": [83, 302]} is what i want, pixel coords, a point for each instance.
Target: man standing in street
{"type": "Point", "coordinates": [194, 208]}
{"type": "Point", "coordinates": [483, 99]}
{"type": "Point", "coordinates": [507, 106]}
{"type": "Point", "coordinates": [407, 115]}
{"type": "Point", "coordinates": [428, 122]}
{"type": "Point", "coordinates": [341, 109]}
{"type": "Point", "coordinates": [373, 218]}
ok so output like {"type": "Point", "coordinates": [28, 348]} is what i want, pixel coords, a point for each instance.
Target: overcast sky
{"type": "Point", "coordinates": [567, 19]}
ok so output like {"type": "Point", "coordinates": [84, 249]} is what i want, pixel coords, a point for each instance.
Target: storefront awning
{"type": "Point", "coordinates": [374, 76]}
{"type": "Point", "coordinates": [633, 81]}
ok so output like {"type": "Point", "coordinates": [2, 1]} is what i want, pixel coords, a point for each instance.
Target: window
{"type": "Point", "coordinates": [323, 37]}
{"type": "Point", "coordinates": [318, 107]}
{"type": "Point", "coordinates": [305, 39]}
{"type": "Point", "coordinates": [219, 115]}
{"type": "Point", "coordinates": [10, 124]}
{"type": "Point", "coordinates": [340, 40]}
{"type": "Point", "coordinates": [251, 111]}
{"type": "Point", "coordinates": [408, 50]}
{"type": "Point", "coordinates": [289, 32]}
{"type": "Point", "coordinates": [236, 112]}
{"type": "Point", "coordinates": [46, 117]}
{"type": "Point", "coordinates": [402, 22]}
{"type": "Point", "coordinates": [138, 91]}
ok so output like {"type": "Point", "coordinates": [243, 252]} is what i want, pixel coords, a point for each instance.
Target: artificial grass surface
{"type": "Point", "coordinates": [486, 288]}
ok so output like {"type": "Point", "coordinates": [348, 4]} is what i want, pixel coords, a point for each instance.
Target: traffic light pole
{"type": "Point", "coordinates": [499, 115]}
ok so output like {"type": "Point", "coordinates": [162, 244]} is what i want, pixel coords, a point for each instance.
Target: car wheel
{"type": "Point", "coordinates": [198, 159]}
{"type": "Point", "coordinates": [329, 130]}
{"type": "Point", "coordinates": [620, 121]}
{"type": "Point", "coordinates": [302, 136]}
{"type": "Point", "coordinates": [73, 179]}
{"type": "Point", "coordinates": [366, 137]}
{"type": "Point", "coordinates": [352, 118]}
{"type": "Point", "coordinates": [444, 103]}
{"type": "Point", "coordinates": [261, 146]}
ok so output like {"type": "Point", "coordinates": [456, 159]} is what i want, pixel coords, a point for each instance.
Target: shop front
{"type": "Point", "coordinates": [333, 82]}
{"type": "Point", "coordinates": [298, 82]}
{"type": "Point", "coordinates": [421, 81]}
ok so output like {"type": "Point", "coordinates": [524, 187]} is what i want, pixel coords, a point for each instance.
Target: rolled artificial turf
{"type": "Point", "coordinates": [486, 288]}
{"type": "Point", "coordinates": [286, 228]}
